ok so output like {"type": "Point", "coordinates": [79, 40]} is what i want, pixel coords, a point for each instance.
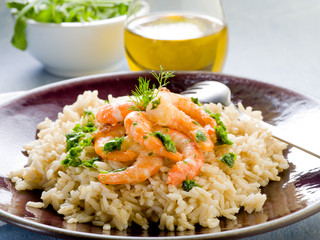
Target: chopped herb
{"type": "Point", "coordinates": [77, 140]}
{"type": "Point", "coordinates": [187, 185]}
{"type": "Point", "coordinates": [166, 140]}
{"type": "Point", "coordinates": [200, 136]}
{"type": "Point", "coordinates": [119, 169]}
{"type": "Point", "coordinates": [134, 123]}
{"type": "Point", "coordinates": [73, 139]}
{"type": "Point", "coordinates": [185, 161]}
{"type": "Point", "coordinates": [88, 128]}
{"type": "Point", "coordinates": [145, 137]}
{"type": "Point", "coordinates": [77, 137]}
{"type": "Point", "coordinates": [150, 154]}
{"type": "Point", "coordinates": [72, 158]}
{"type": "Point", "coordinates": [114, 171]}
{"type": "Point", "coordinates": [229, 159]}
{"type": "Point", "coordinates": [144, 93]}
{"type": "Point", "coordinates": [221, 130]}
{"type": "Point", "coordinates": [222, 136]}
{"type": "Point", "coordinates": [113, 144]}
{"type": "Point", "coordinates": [194, 122]}
{"type": "Point", "coordinates": [155, 103]}
{"type": "Point", "coordinates": [166, 129]}
{"type": "Point", "coordinates": [86, 142]}
{"type": "Point", "coordinates": [88, 113]}
{"type": "Point", "coordinates": [196, 101]}
{"type": "Point", "coordinates": [194, 155]}
{"type": "Point", "coordinates": [216, 116]}
{"type": "Point", "coordinates": [90, 163]}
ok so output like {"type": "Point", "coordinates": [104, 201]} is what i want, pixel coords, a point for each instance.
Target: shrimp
{"type": "Point", "coordinates": [162, 112]}
{"type": "Point", "coordinates": [114, 112]}
{"type": "Point", "coordinates": [144, 167]}
{"type": "Point", "coordinates": [196, 112]}
{"type": "Point", "coordinates": [186, 105]}
{"type": "Point", "coordinates": [109, 132]}
{"type": "Point", "coordinates": [140, 129]}
{"type": "Point", "coordinates": [193, 158]}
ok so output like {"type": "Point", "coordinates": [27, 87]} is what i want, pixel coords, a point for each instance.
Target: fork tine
{"type": "Point", "coordinates": [189, 92]}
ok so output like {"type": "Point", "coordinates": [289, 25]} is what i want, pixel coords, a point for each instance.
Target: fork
{"type": "Point", "coordinates": [217, 92]}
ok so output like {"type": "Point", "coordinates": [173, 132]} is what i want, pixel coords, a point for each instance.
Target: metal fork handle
{"type": "Point", "coordinates": [283, 136]}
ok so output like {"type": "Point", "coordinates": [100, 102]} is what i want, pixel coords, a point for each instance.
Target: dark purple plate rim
{"type": "Point", "coordinates": [230, 234]}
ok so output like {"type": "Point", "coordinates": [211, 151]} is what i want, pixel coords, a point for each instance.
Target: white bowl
{"type": "Point", "coordinates": [77, 49]}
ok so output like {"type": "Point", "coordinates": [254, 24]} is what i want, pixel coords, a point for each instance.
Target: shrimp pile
{"type": "Point", "coordinates": [172, 127]}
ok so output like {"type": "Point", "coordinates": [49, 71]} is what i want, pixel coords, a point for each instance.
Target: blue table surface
{"type": "Point", "coordinates": [270, 41]}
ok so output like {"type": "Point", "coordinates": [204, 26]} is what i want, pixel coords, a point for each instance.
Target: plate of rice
{"type": "Point", "coordinates": [76, 164]}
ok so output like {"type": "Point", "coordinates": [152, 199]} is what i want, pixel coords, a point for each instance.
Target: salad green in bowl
{"type": "Point", "coordinates": [71, 37]}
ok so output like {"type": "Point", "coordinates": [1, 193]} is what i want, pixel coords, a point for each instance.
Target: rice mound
{"type": "Point", "coordinates": [76, 193]}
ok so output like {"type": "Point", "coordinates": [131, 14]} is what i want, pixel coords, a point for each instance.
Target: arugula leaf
{"type": "Point", "coordinates": [19, 40]}
{"type": "Point", "coordinates": [229, 159]}
{"type": "Point", "coordinates": [167, 142]}
{"type": "Point", "coordinates": [187, 185]}
{"type": "Point", "coordinates": [57, 11]}
{"type": "Point", "coordinates": [113, 144]}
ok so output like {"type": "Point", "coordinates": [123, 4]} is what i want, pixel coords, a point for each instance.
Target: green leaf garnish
{"type": "Point", "coordinates": [72, 158]}
{"type": "Point", "coordinates": [144, 93]}
{"type": "Point", "coordinates": [196, 101]}
{"type": "Point", "coordinates": [73, 139]}
{"type": "Point", "coordinates": [90, 163]}
{"type": "Point", "coordinates": [187, 185]}
{"type": "Point", "coordinates": [229, 159]}
{"type": "Point", "coordinates": [222, 136]}
{"type": "Point", "coordinates": [200, 136]}
{"type": "Point", "coordinates": [88, 113]}
{"type": "Point", "coordinates": [166, 141]}
{"type": "Point", "coordinates": [194, 122]}
{"type": "Point", "coordinates": [221, 131]}
{"type": "Point", "coordinates": [155, 103]}
{"type": "Point", "coordinates": [115, 170]}
{"type": "Point", "coordinates": [77, 140]}
{"type": "Point", "coordinates": [113, 144]}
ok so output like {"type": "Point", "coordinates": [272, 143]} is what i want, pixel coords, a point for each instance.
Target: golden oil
{"type": "Point", "coordinates": [176, 42]}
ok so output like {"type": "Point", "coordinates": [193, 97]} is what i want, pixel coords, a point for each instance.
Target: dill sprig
{"type": "Point", "coordinates": [144, 93]}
